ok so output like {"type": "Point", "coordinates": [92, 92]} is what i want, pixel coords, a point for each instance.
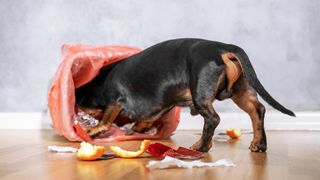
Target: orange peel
{"type": "Point", "coordinates": [131, 154]}
{"type": "Point", "coordinates": [90, 152]}
{"type": "Point", "coordinates": [234, 133]}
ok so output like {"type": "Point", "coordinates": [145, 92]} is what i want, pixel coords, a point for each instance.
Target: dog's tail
{"type": "Point", "coordinates": [251, 76]}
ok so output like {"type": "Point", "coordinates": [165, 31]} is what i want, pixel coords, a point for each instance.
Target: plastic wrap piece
{"type": "Point", "coordinates": [79, 65]}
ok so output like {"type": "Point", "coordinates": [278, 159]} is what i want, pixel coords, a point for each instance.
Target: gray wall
{"type": "Point", "coordinates": [281, 38]}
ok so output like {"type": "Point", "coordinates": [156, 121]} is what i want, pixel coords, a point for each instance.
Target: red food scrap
{"type": "Point", "coordinates": [159, 150]}
{"type": "Point", "coordinates": [81, 133]}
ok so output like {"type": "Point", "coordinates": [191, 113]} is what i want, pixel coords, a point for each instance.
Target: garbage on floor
{"type": "Point", "coordinates": [170, 157]}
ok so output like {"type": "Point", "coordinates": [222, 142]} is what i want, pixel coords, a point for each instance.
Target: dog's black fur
{"type": "Point", "coordinates": [180, 72]}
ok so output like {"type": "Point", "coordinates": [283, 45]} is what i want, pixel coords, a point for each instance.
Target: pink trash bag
{"type": "Point", "coordinates": [79, 65]}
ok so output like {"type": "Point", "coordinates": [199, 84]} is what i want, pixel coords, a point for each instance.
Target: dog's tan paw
{"type": "Point", "coordinates": [198, 146]}
{"type": "Point", "coordinates": [258, 147]}
{"type": "Point", "coordinates": [95, 131]}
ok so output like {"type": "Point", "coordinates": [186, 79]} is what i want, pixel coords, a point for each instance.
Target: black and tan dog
{"type": "Point", "coordinates": [180, 72]}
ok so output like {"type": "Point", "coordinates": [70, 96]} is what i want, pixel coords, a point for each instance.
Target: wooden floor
{"type": "Point", "coordinates": [291, 155]}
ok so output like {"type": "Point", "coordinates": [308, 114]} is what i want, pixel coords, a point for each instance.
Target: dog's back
{"type": "Point", "coordinates": [152, 82]}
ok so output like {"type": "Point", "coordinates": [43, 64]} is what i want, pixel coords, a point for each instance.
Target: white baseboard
{"type": "Point", "coordinates": [24, 120]}
{"type": "Point", "coordinates": [273, 121]}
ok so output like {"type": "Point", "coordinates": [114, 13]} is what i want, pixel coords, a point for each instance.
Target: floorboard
{"type": "Point", "coordinates": [293, 155]}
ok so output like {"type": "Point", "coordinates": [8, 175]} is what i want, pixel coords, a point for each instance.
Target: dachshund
{"type": "Point", "coordinates": [181, 72]}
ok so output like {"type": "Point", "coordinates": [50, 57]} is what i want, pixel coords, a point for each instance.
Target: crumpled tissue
{"type": "Point", "coordinates": [169, 162]}
{"type": "Point", "coordinates": [62, 149]}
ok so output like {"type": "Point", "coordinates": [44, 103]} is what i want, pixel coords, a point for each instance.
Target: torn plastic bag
{"type": "Point", "coordinates": [79, 65]}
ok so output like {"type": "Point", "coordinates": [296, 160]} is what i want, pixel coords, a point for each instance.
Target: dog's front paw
{"type": "Point", "coordinates": [199, 146]}
{"type": "Point", "coordinates": [258, 146]}
{"type": "Point", "coordinates": [95, 131]}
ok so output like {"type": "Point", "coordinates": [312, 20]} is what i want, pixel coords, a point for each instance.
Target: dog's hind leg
{"type": "Point", "coordinates": [204, 88]}
{"type": "Point", "coordinates": [110, 114]}
{"type": "Point", "coordinates": [246, 98]}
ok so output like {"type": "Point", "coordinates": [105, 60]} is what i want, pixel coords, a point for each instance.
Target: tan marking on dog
{"type": "Point", "coordinates": [158, 115]}
{"type": "Point", "coordinates": [246, 98]}
{"type": "Point", "coordinates": [197, 145]}
{"type": "Point", "coordinates": [185, 94]}
{"type": "Point", "coordinates": [111, 113]}
{"type": "Point", "coordinates": [233, 68]}
{"type": "Point", "coordinates": [140, 126]}
{"type": "Point", "coordinates": [109, 116]}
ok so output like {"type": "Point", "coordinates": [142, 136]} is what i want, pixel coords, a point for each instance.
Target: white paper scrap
{"type": "Point", "coordinates": [62, 149]}
{"type": "Point", "coordinates": [221, 138]}
{"type": "Point", "coordinates": [169, 162]}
